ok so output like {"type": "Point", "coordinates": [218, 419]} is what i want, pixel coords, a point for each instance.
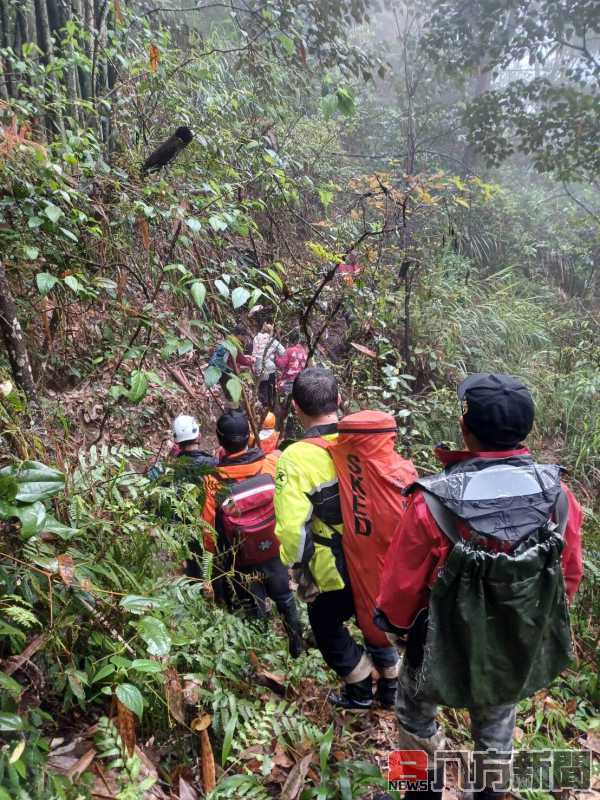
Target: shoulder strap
{"type": "Point", "coordinates": [319, 441]}
{"type": "Point", "coordinates": [561, 513]}
{"type": "Point", "coordinates": [445, 519]}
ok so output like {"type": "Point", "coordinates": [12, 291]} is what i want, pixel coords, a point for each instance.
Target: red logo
{"type": "Point", "coordinates": [407, 765]}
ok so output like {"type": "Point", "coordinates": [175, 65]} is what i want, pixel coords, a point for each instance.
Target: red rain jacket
{"type": "Point", "coordinates": [419, 550]}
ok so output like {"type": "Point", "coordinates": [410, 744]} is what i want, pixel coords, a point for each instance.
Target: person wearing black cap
{"type": "Point", "coordinates": [477, 579]}
{"type": "Point", "coordinates": [239, 506]}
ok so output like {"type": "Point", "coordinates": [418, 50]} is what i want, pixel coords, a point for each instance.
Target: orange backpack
{"type": "Point", "coordinates": [371, 477]}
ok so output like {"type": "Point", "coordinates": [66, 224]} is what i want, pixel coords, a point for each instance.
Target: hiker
{"type": "Point", "coordinates": [472, 586]}
{"type": "Point", "coordinates": [245, 545]}
{"type": "Point", "coordinates": [265, 348]}
{"type": "Point", "coordinates": [316, 526]}
{"type": "Point", "coordinates": [350, 268]}
{"type": "Point", "coordinates": [221, 359]}
{"type": "Point", "coordinates": [291, 363]}
{"type": "Point", "coordinates": [186, 434]}
{"type": "Point", "coordinates": [268, 436]}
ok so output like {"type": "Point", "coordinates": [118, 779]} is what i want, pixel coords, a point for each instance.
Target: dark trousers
{"type": "Point", "coordinates": [266, 391]}
{"type": "Point", "coordinates": [272, 580]}
{"type": "Point", "coordinates": [327, 615]}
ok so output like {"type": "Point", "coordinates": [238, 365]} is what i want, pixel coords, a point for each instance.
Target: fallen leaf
{"type": "Point", "coordinates": [274, 682]}
{"type": "Point", "coordinates": [253, 659]}
{"type": "Point", "coordinates": [126, 726]}
{"type": "Point", "coordinates": [174, 695]}
{"type": "Point", "coordinates": [281, 758]}
{"type": "Point", "coordinates": [295, 780]}
{"type": "Point", "coordinates": [66, 568]}
{"type": "Point", "coordinates": [82, 764]}
{"type": "Point", "coordinates": [364, 350]}
{"type": "Point", "coordinates": [207, 762]}
{"type": "Point", "coordinates": [186, 792]}
{"type": "Point", "coordinates": [144, 232]}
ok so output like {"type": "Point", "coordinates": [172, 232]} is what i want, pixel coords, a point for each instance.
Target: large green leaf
{"type": "Point", "coordinates": [35, 481]}
{"type": "Point", "coordinates": [8, 488]}
{"type": "Point", "coordinates": [139, 605]}
{"type": "Point", "coordinates": [139, 386]}
{"type": "Point", "coordinates": [234, 387]}
{"type": "Point", "coordinates": [45, 282]}
{"type": "Point", "coordinates": [131, 697]}
{"type": "Point", "coordinates": [198, 292]}
{"type": "Point", "coordinates": [217, 223]}
{"type": "Point", "coordinates": [222, 287]}
{"type": "Point", "coordinates": [145, 665]}
{"type": "Point", "coordinates": [54, 213]}
{"type": "Point", "coordinates": [239, 296]}
{"type": "Point", "coordinates": [11, 722]}
{"type": "Point", "coordinates": [52, 525]}
{"type": "Point", "coordinates": [10, 685]}
{"type": "Point", "coordinates": [156, 636]}
{"type": "Point", "coordinates": [212, 375]}
{"type": "Point", "coordinates": [32, 518]}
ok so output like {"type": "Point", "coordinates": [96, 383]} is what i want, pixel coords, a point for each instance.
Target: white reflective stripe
{"type": "Point", "coordinates": [325, 485]}
{"type": "Point", "coordinates": [248, 493]}
{"type": "Point", "coordinates": [502, 480]}
{"type": "Point", "coordinates": [304, 528]}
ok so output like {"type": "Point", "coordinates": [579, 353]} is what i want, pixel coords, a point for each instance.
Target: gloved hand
{"type": "Point", "coordinates": [307, 588]}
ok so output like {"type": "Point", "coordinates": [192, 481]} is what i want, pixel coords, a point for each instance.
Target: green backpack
{"type": "Point", "coordinates": [498, 627]}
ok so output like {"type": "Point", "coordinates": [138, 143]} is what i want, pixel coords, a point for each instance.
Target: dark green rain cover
{"type": "Point", "coordinates": [498, 627]}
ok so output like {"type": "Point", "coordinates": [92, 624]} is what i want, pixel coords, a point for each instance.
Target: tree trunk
{"type": "Point", "coordinates": [482, 80]}
{"type": "Point", "coordinates": [87, 19]}
{"type": "Point", "coordinates": [54, 122]}
{"type": "Point", "coordinates": [100, 72]}
{"type": "Point", "coordinates": [71, 76]}
{"type": "Point", "coordinates": [22, 22]}
{"type": "Point", "coordinates": [14, 342]}
{"type": "Point", "coordinates": [5, 42]}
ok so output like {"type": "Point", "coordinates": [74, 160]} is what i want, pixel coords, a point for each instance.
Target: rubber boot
{"type": "Point", "coordinates": [295, 640]}
{"type": "Point", "coordinates": [354, 696]}
{"type": "Point", "coordinates": [386, 692]}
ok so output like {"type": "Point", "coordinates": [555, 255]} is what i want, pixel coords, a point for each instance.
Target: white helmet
{"type": "Point", "coordinates": [185, 428]}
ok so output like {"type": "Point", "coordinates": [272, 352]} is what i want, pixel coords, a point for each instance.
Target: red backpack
{"type": "Point", "coordinates": [371, 477]}
{"type": "Point", "coordinates": [247, 518]}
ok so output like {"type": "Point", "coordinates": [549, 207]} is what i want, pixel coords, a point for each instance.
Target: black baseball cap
{"type": "Point", "coordinates": [497, 409]}
{"type": "Point", "coordinates": [233, 426]}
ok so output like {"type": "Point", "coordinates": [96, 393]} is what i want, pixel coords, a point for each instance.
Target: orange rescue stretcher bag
{"type": "Point", "coordinates": [371, 477]}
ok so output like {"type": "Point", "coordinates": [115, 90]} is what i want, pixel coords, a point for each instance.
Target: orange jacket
{"type": "Point", "coordinates": [234, 467]}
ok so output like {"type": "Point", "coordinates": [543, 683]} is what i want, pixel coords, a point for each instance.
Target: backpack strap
{"type": "Point", "coordinates": [445, 519]}
{"type": "Point", "coordinates": [561, 513]}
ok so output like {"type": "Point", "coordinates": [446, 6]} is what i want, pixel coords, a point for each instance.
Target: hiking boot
{"type": "Point", "coordinates": [354, 696]}
{"type": "Point", "coordinates": [386, 692]}
{"type": "Point", "coordinates": [295, 643]}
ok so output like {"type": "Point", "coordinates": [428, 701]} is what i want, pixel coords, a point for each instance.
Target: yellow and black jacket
{"type": "Point", "coordinates": [307, 508]}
